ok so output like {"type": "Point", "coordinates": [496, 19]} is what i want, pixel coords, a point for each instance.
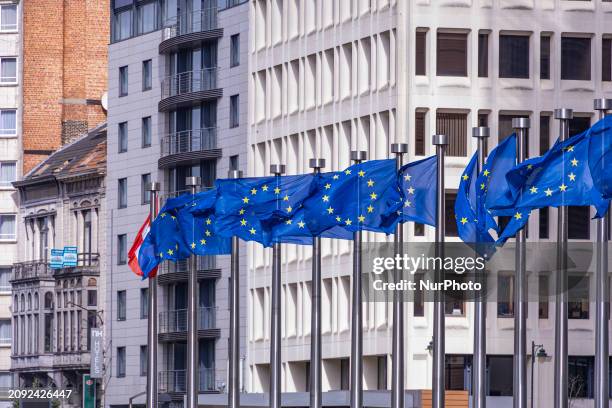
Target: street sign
{"type": "Point", "coordinates": [70, 256]}
{"type": "Point", "coordinates": [89, 392]}
{"type": "Point", "coordinates": [96, 365]}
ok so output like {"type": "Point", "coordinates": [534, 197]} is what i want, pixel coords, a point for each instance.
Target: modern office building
{"type": "Point", "coordinates": [178, 82]}
{"type": "Point", "coordinates": [334, 76]}
{"type": "Point", "coordinates": [54, 307]}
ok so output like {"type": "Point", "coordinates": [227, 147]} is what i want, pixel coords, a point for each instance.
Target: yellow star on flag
{"type": "Point", "coordinates": [245, 200]}
{"type": "Point", "coordinates": [170, 252]}
{"type": "Point", "coordinates": [208, 234]}
{"type": "Point", "coordinates": [486, 173]}
{"type": "Point", "coordinates": [408, 204]}
{"type": "Point", "coordinates": [243, 222]}
{"type": "Point", "coordinates": [373, 196]}
{"type": "Point", "coordinates": [264, 188]}
{"type": "Point", "coordinates": [548, 192]}
{"type": "Point", "coordinates": [327, 186]}
{"type": "Point", "coordinates": [411, 190]}
{"type": "Point", "coordinates": [562, 187]}
{"type": "Point", "coordinates": [533, 190]}
{"type": "Point", "coordinates": [193, 245]}
{"type": "Point", "coordinates": [336, 177]}
{"type": "Point", "coordinates": [277, 190]}
{"type": "Point", "coordinates": [347, 172]}
{"type": "Point", "coordinates": [361, 173]}
{"type": "Point", "coordinates": [361, 218]}
{"type": "Point", "coordinates": [325, 198]}
{"type": "Point", "coordinates": [370, 209]}
{"type": "Point", "coordinates": [482, 186]}
{"type": "Point", "coordinates": [288, 222]}
{"type": "Point", "coordinates": [289, 209]}
{"type": "Point", "coordinates": [286, 198]}
{"type": "Point", "coordinates": [330, 210]}
{"type": "Point", "coordinates": [370, 183]}
{"type": "Point", "coordinates": [464, 220]}
{"type": "Point", "coordinates": [348, 221]}
{"type": "Point", "coordinates": [575, 162]}
{"type": "Point", "coordinates": [407, 177]}
{"type": "Point", "coordinates": [338, 219]}
{"type": "Point", "coordinates": [572, 177]}
{"type": "Point", "coordinates": [466, 177]}
{"type": "Point", "coordinates": [518, 215]}
{"type": "Point", "coordinates": [301, 224]}
{"type": "Point", "coordinates": [241, 212]}
{"type": "Point", "coordinates": [202, 242]}
{"type": "Point", "coordinates": [252, 231]}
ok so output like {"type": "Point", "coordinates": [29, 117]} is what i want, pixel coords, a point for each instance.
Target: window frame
{"type": "Point", "coordinates": [121, 362]}
{"type": "Point", "coordinates": [122, 201]}
{"type": "Point", "coordinates": [145, 195]}
{"type": "Point", "coordinates": [124, 79]}
{"type": "Point", "coordinates": [235, 50]}
{"type": "Point", "coordinates": [16, 25]}
{"type": "Point", "coordinates": [144, 303]}
{"type": "Point", "coordinates": [122, 137]}
{"type": "Point", "coordinates": [9, 184]}
{"type": "Point", "coordinates": [146, 127]}
{"type": "Point", "coordinates": [16, 130]}
{"type": "Point", "coordinates": [448, 70]}
{"type": "Point", "coordinates": [16, 81]}
{"type": "Point", "coordinates": [13, 236]}
{"type": "Point", "coordinates": [234, 114]}
{"type": "Point", "coordinates": [508, 74]}
{"type": "Point", "coordinates": [147, 75]}
{"type": "Point", "coordinates": [567, 54]}
{"type": "Point", "coordinates": [122, 249]}
{"type": "Point", "coordinates": [121, 305]}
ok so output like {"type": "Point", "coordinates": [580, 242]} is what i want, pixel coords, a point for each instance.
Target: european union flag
{"type": "Point", "coordinates": [365, 196]}
{"type": "Point", "coordinates": [165, 241]}
{"type": "Point", "coordinates": [198, 224]}
{"type": "Point", "coordinates": [249, 207]}
{"type": "Point", "coordinates": [600, 156]}
{"type": "Point", "coordinates": [418, 185]}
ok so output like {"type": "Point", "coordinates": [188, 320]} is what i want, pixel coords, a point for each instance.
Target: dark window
{"type": "Point", "coordinates": [419, 301]}
{"type": "Point", "coordinates": [543, 291]}
{"type": "Point", "coordinates": [454, 126]}
{"type": "Point", "coordinates": [581, 377]}
{"type": "Point", "coordinates": [382, 373]}
{"type": "Point", "coordinates": [455, 299]}
{"type": "Point", "coordinates": [544, 229]}
{"type": "Point", "coordinates": [147, 17]}
{"type": "Point", "coordinates": [578, 297]}
{"type": "Point", "coordinates": [451, 54]}
{"type": "Point", "coordinates": [146, 132]}
{"type": "Point", "coordinates": [544, 133]}
{"type": "Point", "coordinates": [500, 385]}
{"type": "Point", "coordinates": [145, 194]}
{"type": "Point", "coordinates": [483, 119]}
{"type": "Point", "coordinates": [147, 75]}
{"type": "Point", "coordinates": [545, 57]}
{"type": "Point", "coordinates": [419, 229]}
{"type": "Point", "coordinates": [92, 297]}
{"type": "Point", "coordinates": [451, 224]}
{"type": "Point", "coordinates": [513, 56]}
{"type": "Point", "coordinates": [144, 362]}
{"type": "Point", "coordinates": [235, 50]}
{"type": "Point", "coordinates": [122, 193]}
{"type": "Point", "coordinates": [123, 137]}
{"type": "Point", "coordinates": [419, 133]}
{"type": "Point", "coordinates": [344, 373]}
{"type": "Point", "coordinates": [121, 249]}
{"type": "Point", "coordinates": [120, 362]}
{"type": "Point", "coordinates": [579, 222]}
{"type": "Point", "coordinates": [123, 81]}
{"type": "Point", "coordinates": [234, 111]}
{"type": "Point", "coordinates": [144, 303]}
{"type": "Point", "coordinates": [121, 306]}
{"type": "Point", "coordinates": [606, 59]}
{"type": "Point", "coordinates": [505, 296]}
{"type": "Point", "coordinates": [576, 58]}
{"type": "Point", "coordinates": [421, 53]}
{"type": "Point", "coordinates": [483, 55]}
{"type": "Point", "coordinates": [456, 372]}
{"type": "Point", "coordinates": [579, 124]}
{"type": "Point", "coordinates": [234, 163]}
{"type": "Point", "coordinates": [123, 24]}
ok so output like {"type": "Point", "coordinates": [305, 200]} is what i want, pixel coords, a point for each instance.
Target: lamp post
{"type": "Point", "coordinates": [541, 353]}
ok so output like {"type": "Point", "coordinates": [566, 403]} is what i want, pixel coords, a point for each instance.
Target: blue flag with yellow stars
{"type": "Point", "coordinates": [198, 224]}
{"type": "Point", "coordinates": [365, 196]}
{"type": "Point", "coordinates": [561, 177]}
{"type": "Point", "coordinates": [250, 207]}
{"type": "Point", "coordinates": [600, 156]}
{"type": "Point", "coordinates": [165, 241]}
{"type": "Point", "coordinates": [418, 185]}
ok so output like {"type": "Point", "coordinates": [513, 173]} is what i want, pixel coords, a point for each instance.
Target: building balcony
{"type": "Point", "coordinates": [175, 381]}
{"type": "Point", "coordinates": [188, 29]}
{"type": "Point", "coordinates": [188, 146]}
{"type": "Point", "coordinates": [32, 270]}
{"type": "Point", "coordinates": [187, 88]}
{"type": "Point", "coordinates": [171, 272]}
{"type": "Point", "coordinates": [79, 359]}
{"type": "Point", "coordinates": [32, 362]}
{"type": "Point", "coordinates": [173, 324]}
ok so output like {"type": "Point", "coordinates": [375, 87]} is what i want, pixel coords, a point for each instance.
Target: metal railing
{"type": "Point", "coordinates": [192, 22]}
{"type": "Point", "coordinates": [31, 269]}
{"type": "Point", "coordinates": [189, 141]}
{"type": "Point", "coordinates": [88, 259]}
{"type": "Point", "coordinates": [175, 321]}
{"type": "Point", "coordinates": [205, 263]}
{"type": "Point", "coordinates": [190, 81]}
{"type": "Point", "coordinates": [175, 380]}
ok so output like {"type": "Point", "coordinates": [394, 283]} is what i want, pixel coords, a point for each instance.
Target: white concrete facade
{"type": "Point", "coordinates": [328, 77]}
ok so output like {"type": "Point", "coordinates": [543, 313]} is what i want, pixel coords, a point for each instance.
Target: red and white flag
{"type": "Point", "coordinates": [133, 252]}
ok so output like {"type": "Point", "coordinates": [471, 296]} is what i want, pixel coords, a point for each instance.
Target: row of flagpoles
{"type": "Point", "coordinates": [521, 126]}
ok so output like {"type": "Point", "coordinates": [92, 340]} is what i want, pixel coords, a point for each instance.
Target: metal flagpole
{"type": "Point", "coordinates": [479, 366]}
{"type": "Point", "coordinates": [561, 369]}
{"type": "Point", "coordinates": [357, 312]}
{"type": "Point", "coordinates": [153, 188]}
{"type": "Point", "coordinates": [438, 383]}
{"type": "Point", "coordinates": [397, 375]}
{"type": "Point", "coordinates": [315, 318]}
{"type": "Point", "coordinates": [233, 390]}
{"type": "Point", "coordinates": [602, 295]}
{"type": "Point", "coordinates": [521, 126]}
{"type": "Point", "coordinates": [275, 322]}
{"type": "Point", "coordinates": [192, 318]}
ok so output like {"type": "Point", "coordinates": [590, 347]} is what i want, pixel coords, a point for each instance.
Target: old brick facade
{"type": "Point", "coordinates": [64, 72]}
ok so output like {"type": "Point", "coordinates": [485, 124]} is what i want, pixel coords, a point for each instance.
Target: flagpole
{"type": "Point", "coordinates": [153, 188]}
{"type": "Point", "coordinates": [479, 366]}
{"type": "Point", "coordinates": [275, 321]}
{"type": "Point", "coordinates": [192, 318]}
{"type": "Point", "coordinates": [397, 375]}
{"type": "Point", "coordinates": [438, 383]}
{"type": "Point", "coordinates": [357, 312]}
{"type": "Point", "coordinates": [561, 368]}
{"type": "Point", "coordinates": [602, 295]}
{"type": "Point", "coordinates": [521, 126]}
{"type": "Point", "coordinates": [315, 322]}
{"type": "Point", "coordinates": [233, 389]}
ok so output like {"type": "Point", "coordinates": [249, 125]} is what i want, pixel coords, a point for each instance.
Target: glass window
{"type": "Point", "coordinates": [579, 219]}
{"type": "Point", "coordinates": [8, 70]}
{"type": "Point", "coordinates": [545, 57]}
{"type": "Point", "coordinates": [543, 291]}
{"type": "Point", "coordinates": [143, 361]}
{"type": "Point", "coordinates": [455, 126]}
{"type": "Point", "coordinates": [92, 297]}
{"type": "Point", "coordinates": [146, 132]}
{"type": "Point", "coordinates": [5, 277]}
{"type": "Point", "coordinates": [5, 331]}
{"type": "Point", "coordinates": [513, 56]}
{"type": "Point", "coordinates": [234, 111]}
{"type": "Point", "coordinates": [544, 133]}
{"type": "Point", "coordinates": [147, 17]}
{"type": "Point", "coordinates": [8, 17]}
{"type": "Point", "coordinates": [456, 368]}
{"type": "Point", "coordinates": [455, 299]}
{"type": "Point", "coordinates": [451, 54]}
{"type": "Point", "coordinates": [147, 75]}
{"type": "Point", "coordinates": [483, 55]}
{"type": "Point", "coordinates": [543, 225]}
{"type": "Point", "coordinates": [121, 306]}
{"type": "Point", "coordinates": [8, 227]}
{"type": "Point", "coordinates": [170, 10]}
{"type": "Point", "coordinates": [122, 192]}
{"type": "Point", "coordinates": [120, 362]}
{"type": "Point", "coordinates": [145, 194]}
{"type": "Point", "coordinates": [419, 133]}
{"type": "Point", "coordinates": [500, 385]}
{"type": "Point", "coordinates": [8, 122]}
{"type": "Point", "coordinates": [578, 297]}
{"type": "Point", "coordinates": [123, 24]}
{"type": "Point", "coordinates": [123, 81]}
{"type": "Point", "coordinates": [7, 173]}
{"type": "Point", "coordinates": [121, 249]}
{"type": "Point", "coordinates": [6, 380]}
{"type": "Point", "coordinates": [581, 377]}
{"type": "Point", "coordinates": [123, 137]}
{"type": "Point", "coordinates": [606, 60]}
{"type": "Point", "coordinates": [505, 296]}
{"type": "Point", "coordinates": [144, 303]}
{"type": "Point", "coordinates": [576, 58]}
{"type": "Point", "coordinates": [419, 301]}
{"type": "Point", "coordinates": [451, 224]}
{"type": "Point", "coordinates": [382, 373]}
{"type": "Point", "coordinates": [421, 53]}
{"type": "Point", "coordinates": [235, 50]}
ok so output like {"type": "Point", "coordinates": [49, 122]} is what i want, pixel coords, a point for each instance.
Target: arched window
{"type": "Point", "coordinates": [49, 300]}
{"type": "Point", "coordinates": [29, 301]}
{"type": "Point", "coordinates": [91, 282]}
{"type": "Point", "coordinates": [36, 301]}
{"type": "Point", "coordinates": [22, 303]}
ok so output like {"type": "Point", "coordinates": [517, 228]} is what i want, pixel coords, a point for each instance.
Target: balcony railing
{"type": "Point", "coordinates": [190, 81]}
{"type": "Point", "coordinates": [189, 141]}
{"type": "Point", "coordinates": [88, 259]}
{"type": "Point", "coordinates": [205, 263]}
{"type": "Point", "coordinates": [175, 321]}
{"type": "Point", "coordinates": [32, 269]}
{"type": "Point", "coordinates": [175, 380]}
{"type": "Point", "coordinates": [187, 23]}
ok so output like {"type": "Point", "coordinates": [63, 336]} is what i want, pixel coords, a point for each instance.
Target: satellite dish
{"type": "Point", "coordinates": [104, 101]}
